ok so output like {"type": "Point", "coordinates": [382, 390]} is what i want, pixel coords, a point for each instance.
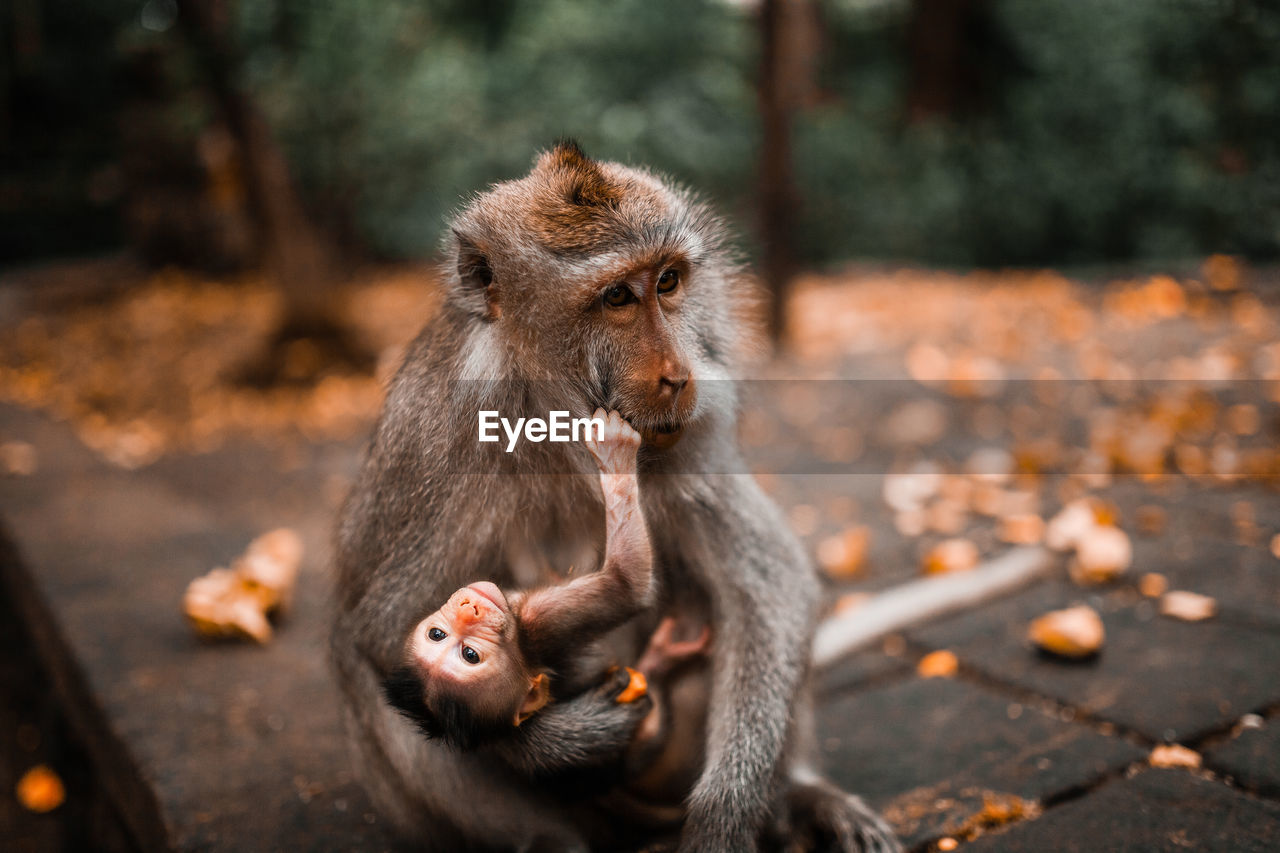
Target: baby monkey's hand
{"type": "Point", "coordinates": [615, 452]}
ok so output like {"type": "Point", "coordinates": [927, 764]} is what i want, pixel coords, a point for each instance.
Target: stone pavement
{"type": "Point", "coordinates": [202, 746]}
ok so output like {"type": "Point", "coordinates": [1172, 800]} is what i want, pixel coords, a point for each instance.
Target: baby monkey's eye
{"type": "Point", "coordinates": [470, 655]}
{"type": "Point", "coordinates": [618, 295]}
{"type": "Point", "coordinates": [668, 281]}
{"type": "Point", "coordinates": [436, 635]}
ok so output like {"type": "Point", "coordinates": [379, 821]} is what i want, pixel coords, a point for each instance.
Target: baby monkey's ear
{"type": "Point", "coordinates": [539, 694]}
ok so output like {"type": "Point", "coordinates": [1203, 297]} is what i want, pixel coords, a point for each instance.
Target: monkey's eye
{"type": "Point", "coordinates": [668, 281]}
{"type": "Point", "coordinates": [436, 635]}
{"type": "Point", "coordinates": [618, 295]}
{"type": "Point", "coordinates": [470, 655]}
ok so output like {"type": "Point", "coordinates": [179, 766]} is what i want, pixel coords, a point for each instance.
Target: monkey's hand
{"type": "Point", "coordinates": [588, 731]}
{"type": "Point", "coordinates": [615, 451]}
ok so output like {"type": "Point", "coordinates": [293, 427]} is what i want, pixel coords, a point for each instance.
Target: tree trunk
{"type": "Point", "coordinates": [291, 249]}
{"type": "Point", "coordinates": [789, 46]}
{"type": "Point", "coordinates": [944, 73]}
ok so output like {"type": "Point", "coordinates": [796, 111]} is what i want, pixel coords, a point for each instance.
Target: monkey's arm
{"type": "Point", "coordinates": [587, 731]}
{"type": "Point", "coordinates": [558, 617]}
{"type": "Point", "coordinates": [764, 607]}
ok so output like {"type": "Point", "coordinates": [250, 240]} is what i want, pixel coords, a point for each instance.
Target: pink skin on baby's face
{"type": "Point", "coordinates": [467, 638]}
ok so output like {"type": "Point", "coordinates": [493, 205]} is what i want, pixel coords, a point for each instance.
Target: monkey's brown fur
{"type": "Point", "coordinates": [524, 331]}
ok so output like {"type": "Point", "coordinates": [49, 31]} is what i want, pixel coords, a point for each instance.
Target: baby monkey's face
{"type": "Point", "coordinates": [465, 677]}
{"type": "Point", "coordinates": [468, 640]}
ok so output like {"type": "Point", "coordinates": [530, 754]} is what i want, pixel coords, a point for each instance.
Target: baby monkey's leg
{"type": "Point", "coordinates": [665, 650]}
{"type": "Point", "coordinates": [666, 754]}
{"type": "Point", "coordinates": [664, 653]}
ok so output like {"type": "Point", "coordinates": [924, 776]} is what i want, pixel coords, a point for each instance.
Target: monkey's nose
{"type": "Point", "coordinates": [672, 379]}
{"type": "Point", "coordinates": [467, 614]}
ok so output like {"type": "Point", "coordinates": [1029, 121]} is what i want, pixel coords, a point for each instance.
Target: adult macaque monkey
{"type": "Point", "coordinates": [582, 285]}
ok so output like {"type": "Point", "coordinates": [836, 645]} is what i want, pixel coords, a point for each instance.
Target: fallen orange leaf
{"type": "Point", "coordinates": [41, 790]}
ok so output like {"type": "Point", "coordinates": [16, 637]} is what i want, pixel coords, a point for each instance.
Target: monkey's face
{"type": "Point", "coordinates": [468, 651]}
{"type": "Point", "coordinates": [649, 374]}
{"type": "Point", "coordinates": [601, 278]}
{"type": "Point", "coordinates": [468, 638]}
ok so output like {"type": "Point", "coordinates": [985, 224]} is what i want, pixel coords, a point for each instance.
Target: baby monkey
{"type": "Point", "coordinates": [488, 660]}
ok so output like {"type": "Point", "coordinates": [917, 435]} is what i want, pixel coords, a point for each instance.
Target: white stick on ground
{"type": "Point", "coordinates": [927, 598]}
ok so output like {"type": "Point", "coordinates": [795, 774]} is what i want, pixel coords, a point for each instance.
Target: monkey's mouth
{"type": "Point", "coordinates": [660, 423]}
{"type": "Point", "coordinates": [662, 435]}
{"type": "Point", "coordinates": [490, 593]}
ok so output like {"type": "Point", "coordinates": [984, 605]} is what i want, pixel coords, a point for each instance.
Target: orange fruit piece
{"type": "Point", "coordinates": [638, 686]}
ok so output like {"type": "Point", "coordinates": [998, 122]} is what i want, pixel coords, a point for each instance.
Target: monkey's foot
{"type": "Point", "coordinates": [615, 451]}
{"type": "Point", "coordinates": [821, 817]}
{"type": "Point", "coordinates": [665, 651]}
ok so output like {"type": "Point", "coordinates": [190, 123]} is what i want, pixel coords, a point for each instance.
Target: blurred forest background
{"type": "Point", "coordinates": [953, 132]}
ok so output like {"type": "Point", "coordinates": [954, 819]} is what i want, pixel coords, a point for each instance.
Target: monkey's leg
{"type": "Point", "coordinates": [764, 606]}
{"type": "Point", "coordinates": [418, 784]}
{"type": "Point", "coordinates": [664, 651]}
{"type": "Point", "coordinates": [375, 737]}
{"type": "Point", "coordinates": [813, 814]}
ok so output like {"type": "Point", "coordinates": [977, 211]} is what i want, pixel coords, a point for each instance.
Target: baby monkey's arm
{"type": "Point", "coordinates": [555, 617]}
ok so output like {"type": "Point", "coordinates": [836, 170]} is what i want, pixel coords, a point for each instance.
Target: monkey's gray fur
{"type": "Point", "coordinates": [434, 509]}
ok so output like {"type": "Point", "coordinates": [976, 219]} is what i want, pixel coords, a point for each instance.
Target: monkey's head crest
{"type": "Point", "coordinates": [585, 183]}
{"type": "Point", "coordinates": [570, 208]}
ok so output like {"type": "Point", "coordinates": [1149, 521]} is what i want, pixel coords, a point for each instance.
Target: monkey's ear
{"type": "Point", "coordinates": [539, 695]}
{"type": "Point", "coordinates": [476, 276]}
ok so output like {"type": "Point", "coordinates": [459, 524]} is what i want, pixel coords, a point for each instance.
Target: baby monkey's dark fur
{"type": "Point", "coordinates": [532, 646]}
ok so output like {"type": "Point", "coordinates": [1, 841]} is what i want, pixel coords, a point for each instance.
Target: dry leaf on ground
{"type": "Point", "coordinates": [40, 790]}
{"type": "Point", "coordinates": [951, 555]}
{"type": "Point", "coordinates": [1022, 529]}
{"type": "Point", "coordinates": [1174, 755]}
{"type": "Point", "coordinates": [1071, 523]}
{"type": "Point", "coordinates": [1076, 632]}
{"type": "Point", "coordinates": [1102, 555]}
{"type": "Point", "coordinates": [1153, 584]}
{"type": "Point", "coordinates": [1187, 606]}
{"type": "Point", "coordinates": [237, 602]}
{"type": "Point", "coordinates": [845, 554]}
{"type": "Point", "coordinates": [939, 664]}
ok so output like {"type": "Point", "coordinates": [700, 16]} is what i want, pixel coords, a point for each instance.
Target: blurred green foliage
{"type": "Point", "coordinates": [1111, 128]}
{"type": "Point", "coordinates": [1103, 129]}
{"type": "Point", "coordinates": [1114, 129]}
{"type": "Point", "coordinates": [397, 109]}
